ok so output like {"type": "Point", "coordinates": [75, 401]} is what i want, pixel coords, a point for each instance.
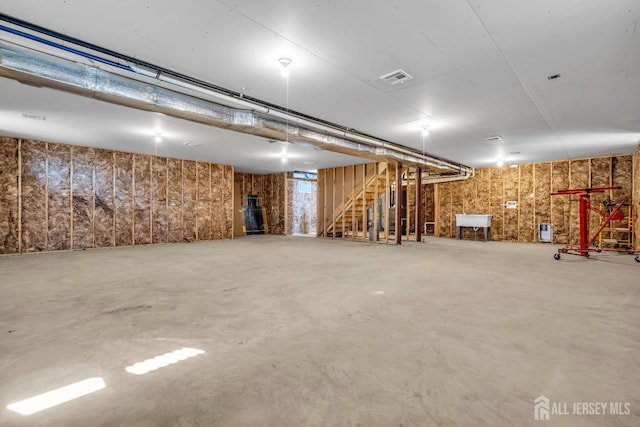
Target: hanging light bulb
{"type": "Point", "coordinates": [158, 138]}
{"type": "Point", "coordinates": [284, 70]}
{"type": "Point", "coordinates": [425, 131]}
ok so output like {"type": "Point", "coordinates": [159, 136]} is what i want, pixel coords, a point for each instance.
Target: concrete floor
{"type": "Point", "coordinates": [312, 332]}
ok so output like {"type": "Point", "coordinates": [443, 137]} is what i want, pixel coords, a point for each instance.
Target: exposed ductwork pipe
{"type": "Point", "coordinates": [231, 112]}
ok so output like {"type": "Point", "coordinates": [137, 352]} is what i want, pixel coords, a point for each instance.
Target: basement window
{"type": "Point", "coordinates": [304, 187]}
{"type": "Point", "coordinates": [309, 176]}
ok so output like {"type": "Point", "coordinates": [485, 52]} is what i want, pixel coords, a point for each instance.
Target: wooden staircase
{"type": "Point", "coordinates": [350, 216]}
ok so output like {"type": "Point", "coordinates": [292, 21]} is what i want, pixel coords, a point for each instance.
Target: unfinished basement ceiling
{"type": "Point", "coordinates": [479, 68]}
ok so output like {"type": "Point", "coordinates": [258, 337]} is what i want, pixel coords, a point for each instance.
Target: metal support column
{"type": "Point", "coordinates": [584, 223]}
{"type": "Point", "coordinates": [418, 204]}
{"type": "Point", "coordinates": [398, 226]}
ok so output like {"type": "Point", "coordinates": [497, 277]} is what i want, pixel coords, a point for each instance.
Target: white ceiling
{"type": "Point", "coordinates": [87, 122]}
{"type": "Point", "coordinates": [480, 68]}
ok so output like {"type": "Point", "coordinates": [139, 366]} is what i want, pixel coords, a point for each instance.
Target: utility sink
{"type": "Point", "coordinates": [476, 221]}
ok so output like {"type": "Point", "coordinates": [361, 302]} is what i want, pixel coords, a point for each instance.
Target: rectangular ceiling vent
{"type": "Point", "coordinates": [397, 77]}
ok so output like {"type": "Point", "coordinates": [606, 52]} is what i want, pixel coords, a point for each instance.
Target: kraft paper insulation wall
{"type": "Point", "coordinates": [57, 197]}
{"type": "Point", "coordinates": [456, 197]}
{"type": "Point", "coordinates": [496, 201]}
{"type": "Point", "coordinates": [203, 226]}
{"type": "Point", "coordinates": [600, 177]}
{"type": "Point", "coordinates": [542, 193]}
{"type": "Point", "coordinates": [124, 199]}
{"type": "Point", "coordinates": [217, 175]}
{"type": "Point", "coordinates": [9, 219]}
{"type": "Point", "coordinates": [530, 186]}
{"type": "Point", "coordinates": [34, 196]}
{"type": "Point", "coordinates": [276, 203]}
{"type": "Point", "coordinates": [560, 205]}
{"type": "Point", "coordinates": [410, 189]}
{"type": "Point", "coordinates": [636, 195]}
{"type": "Point", "coordinates": [226, 211]}
{"type": "Point", "coordinates": [468, 203]}
{"type": "Point", "coordinates": [104, 203]}
{"type": "Point", "coordinates": [189, 200]}
{"type": "Point", "coordinates": [483, 184]}
{"type": "Point", "coordinates": [142, 199]}
{"type": "Point", "coordinates": [59, 201]}
{"type": "Point", "coordinates": [526, 203]}
{"type": "Point", "coordinates": [511, 193]}
{"type": "Point", "coordinates": [82, 190]}
{"type": "Point", "coordinates": [623, 177]}
{"type": "Point", "coordinates": [444, 223]}
{"type": "Point", "coordinates": [174, 201]}
{"type": "Point", "coordinates": [271, 191]}
{"type": "Point", "coordinates": [428, 207]}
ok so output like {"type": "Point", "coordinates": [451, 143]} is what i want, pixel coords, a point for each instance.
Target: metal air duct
{"type": "Point", "coordinates": [43, 69]}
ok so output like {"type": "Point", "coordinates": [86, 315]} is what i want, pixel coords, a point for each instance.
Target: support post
{"type": "Point", "coordinates": [376, 211]}
{"type": "Point", "coordinates": [399, 204]}
{"type": "Point", "coordinates": [418, 204]}
{"type": "Point", "coordinates": [387, 203]}
{"type": "Point", "coordinates": [584, 224]}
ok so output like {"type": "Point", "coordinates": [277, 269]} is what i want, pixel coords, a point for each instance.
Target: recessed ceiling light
{"type": "Point", "coordinates": [157, 138]}
{"type": "Point", "coordinates": [309, 163]}
{"type": "Point", "coordinates": [284, 70]}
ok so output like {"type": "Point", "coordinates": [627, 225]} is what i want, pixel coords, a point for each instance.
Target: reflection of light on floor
{"type": "Point", "coordinates": [377, 293]}
{"type": "Point", "coordinates": [166, 359]}
{"type": "Point", "coordinates": [56, 397]}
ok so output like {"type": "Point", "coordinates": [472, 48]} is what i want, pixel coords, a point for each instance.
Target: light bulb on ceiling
{"type": "Point", "coordinates": [500, 163]}
{"type": "Point", "coordinates": [284, 70]}
{"type": "Point", "coordinates": [425, 131]}
{"type": "Point", "coordinates": [158, 138]}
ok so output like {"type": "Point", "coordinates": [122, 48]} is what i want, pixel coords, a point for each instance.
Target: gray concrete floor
{"type": "Point", "coordinates": [311, 332]}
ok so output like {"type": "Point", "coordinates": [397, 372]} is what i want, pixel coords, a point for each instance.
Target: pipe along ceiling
{"type": "Point", "coordinates": [141, 85]}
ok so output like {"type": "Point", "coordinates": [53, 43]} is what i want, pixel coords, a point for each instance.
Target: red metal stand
{"type": "Point", "coordinates": [586, 242]}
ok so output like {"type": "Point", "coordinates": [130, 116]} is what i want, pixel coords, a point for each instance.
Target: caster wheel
{"type": "Point", "coordinates": [638, 258]}
{"type": "Point", "coordinates": [557, 257]}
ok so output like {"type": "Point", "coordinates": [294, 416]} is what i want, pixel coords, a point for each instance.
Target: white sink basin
{"type": "Point", "coordinates": [473, 220]}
